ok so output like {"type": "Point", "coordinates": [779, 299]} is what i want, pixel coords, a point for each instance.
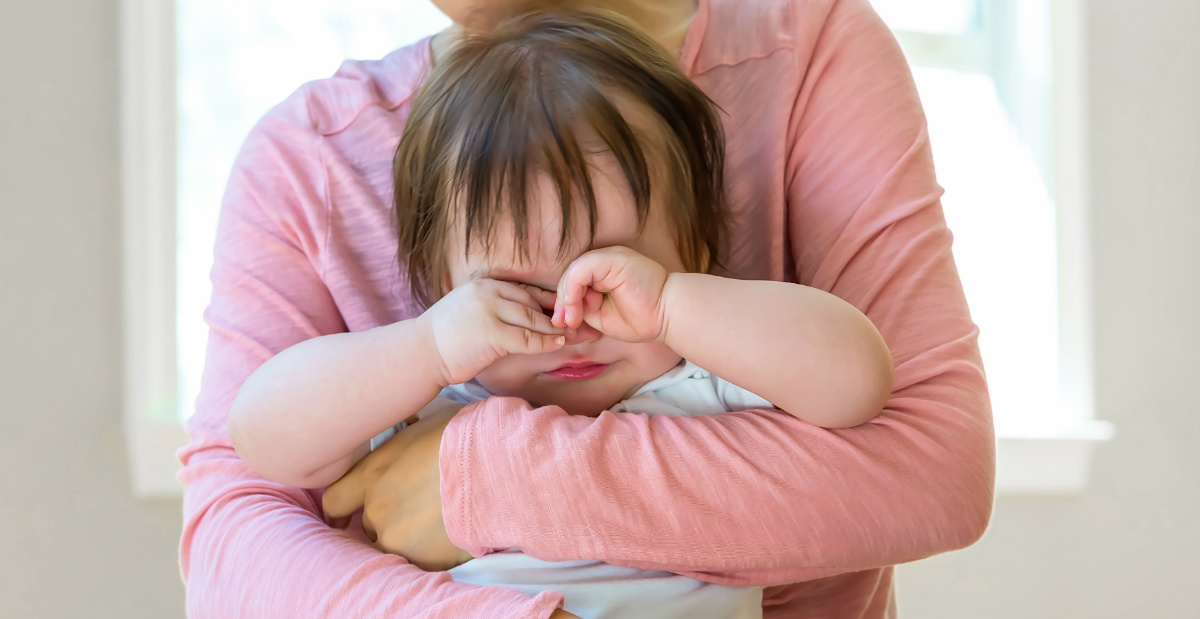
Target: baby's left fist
{"type": "Point", "coordinates": [615, 290]}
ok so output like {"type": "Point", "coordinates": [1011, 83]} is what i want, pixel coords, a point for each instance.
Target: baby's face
{"type": "Point", "coordinates": [593, 371]}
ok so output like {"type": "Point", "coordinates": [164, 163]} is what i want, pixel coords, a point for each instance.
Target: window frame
{"type": "Point", "coordinates": [1056, 464]}
{"type": "Point", "coordinates": [150, 418]}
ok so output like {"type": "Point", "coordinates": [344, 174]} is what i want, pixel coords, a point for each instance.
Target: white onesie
{"type": "Point", "coordinates": [598, 590]}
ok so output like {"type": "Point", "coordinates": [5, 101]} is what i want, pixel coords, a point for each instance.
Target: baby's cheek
{"type": "Point", "coordinates": [654, 360]}
{"type": "Point", "coordinates": [509, 376]}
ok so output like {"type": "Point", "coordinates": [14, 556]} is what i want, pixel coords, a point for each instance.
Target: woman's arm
{"type": "Point", "coordinates": [251, 547]}
{"type": "Point", "coordinates": [760, 497]}
{"type": "Point", "coordinates": [804, 350]}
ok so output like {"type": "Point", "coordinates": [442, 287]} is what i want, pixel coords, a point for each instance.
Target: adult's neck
{"type": "Point", "coordinates": [666, 21]}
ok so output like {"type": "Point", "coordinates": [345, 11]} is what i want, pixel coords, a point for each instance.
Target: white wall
{"type": "Point", "coordinates": [1130, 546]}
{"type": "Point", "coordinates": [73, 543]}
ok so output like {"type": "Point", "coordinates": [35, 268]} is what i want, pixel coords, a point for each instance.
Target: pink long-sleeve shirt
{"type": "Point", "coordinates": [831, 184]}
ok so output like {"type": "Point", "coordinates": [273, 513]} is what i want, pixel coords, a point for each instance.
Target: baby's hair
{"type": "Point", "coordinates": [527, 99]}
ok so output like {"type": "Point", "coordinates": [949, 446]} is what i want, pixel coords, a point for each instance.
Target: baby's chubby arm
{"type": "Point", "coordinates": [804, 350]}
{"type": "Point", "coordinates": [808, 352]}
{"type": "Point", "coordinates": [305, 416]}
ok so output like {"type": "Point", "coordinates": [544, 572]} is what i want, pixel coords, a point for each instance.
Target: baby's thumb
{"type": "Point", "coordinates": [592, 301]}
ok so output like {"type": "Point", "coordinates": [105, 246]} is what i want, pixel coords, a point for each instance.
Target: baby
{"type": "Point", "coordinates": [560, 207]}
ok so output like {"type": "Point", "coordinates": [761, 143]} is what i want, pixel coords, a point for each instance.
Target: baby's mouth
{"type": "Point", "coordinates": [585, 370]}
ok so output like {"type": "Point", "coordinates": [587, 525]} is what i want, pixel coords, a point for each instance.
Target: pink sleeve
{"type": "Point", "coordinates": [761, 498]}
{"type": "Point", "coordinates": [252, 548]}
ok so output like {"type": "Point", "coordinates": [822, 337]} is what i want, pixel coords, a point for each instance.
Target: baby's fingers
{"type": "Point", "coordinates": [568, 306]}
{"type": "Point", "coordinates": [522, 341]}
{"type": "Point", "coordinates": [522, 315]}
{"type": "Point", "coordinates": [525, 294]}
{"type": "Point", "coordinates": [544, 298]}
{"type": "Point", "coordinates": [589, 277]}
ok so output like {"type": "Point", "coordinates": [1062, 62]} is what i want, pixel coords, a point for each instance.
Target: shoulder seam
{"type": "Point", "coordinates": [759, 56]}
{"type": "Point", "coordinates": [327, 204]}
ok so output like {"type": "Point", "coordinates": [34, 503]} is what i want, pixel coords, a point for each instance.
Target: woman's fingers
{"type": "Point", "coordinates": [369, 528]}
{"type": "Point", "coordinates": [345, 496]}
{"type": "Point", "coordinates": [348, 494]}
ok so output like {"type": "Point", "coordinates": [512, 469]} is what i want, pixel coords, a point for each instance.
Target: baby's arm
{"type": "Point", "coordinates": [305, 416]}
{"type": "Point", "coordinates": [806, 351]}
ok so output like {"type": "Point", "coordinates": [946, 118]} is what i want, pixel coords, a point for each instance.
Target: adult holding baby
{"type": "Point", "coordinates": [830, 185]}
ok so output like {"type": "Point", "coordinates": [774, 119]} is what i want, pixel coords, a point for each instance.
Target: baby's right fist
{"type": "Point", "coordinates": [483, 320]}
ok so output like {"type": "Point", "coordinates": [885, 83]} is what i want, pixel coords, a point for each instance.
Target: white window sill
{"type": "Point", "coordinates": [1055, 465]}
{"type": "Point", "coordinates": [151, 446]}
{"type": "Point", "coordinates": [1058, 464]}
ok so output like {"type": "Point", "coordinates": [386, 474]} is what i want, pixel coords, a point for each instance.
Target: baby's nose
{"type": "Point", "coordinates": [584, 334]}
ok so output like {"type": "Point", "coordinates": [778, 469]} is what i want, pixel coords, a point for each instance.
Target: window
{"type": "Point", "coordinates": [988, 135]}
{"type": "Point", "coordinates": [237, 59]}
{"type": "Point", "coordinates": [198, 73]}
{"type": "Point", "coordinates": [1001, 82]}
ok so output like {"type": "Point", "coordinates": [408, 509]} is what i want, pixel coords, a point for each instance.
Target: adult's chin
{"type": "Point", "coordinates": [484, 15]}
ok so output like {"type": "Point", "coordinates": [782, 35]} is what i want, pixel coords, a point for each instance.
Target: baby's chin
{"type": "Point", "coordinates": [587, 398]}
{"type": "Point", "coordinates": [584, 407]}
{"type": "Point", "coordinates": [584, 411]}
{"type": "Point", "coordinates": [582, 400]}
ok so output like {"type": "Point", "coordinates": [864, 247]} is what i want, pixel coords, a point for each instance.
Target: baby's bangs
{"type": "Point", "coordinates": [531, 119]}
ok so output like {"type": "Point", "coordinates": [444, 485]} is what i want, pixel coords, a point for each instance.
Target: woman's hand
{"type": "Point", "coordinates": [399, 487]}
{"type": "Point", "coordinates": [617, 291]}
{"type": "Point", "coordinates": [484, 320]}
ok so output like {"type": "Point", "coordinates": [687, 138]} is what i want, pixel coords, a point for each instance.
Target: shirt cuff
{"type": "Point", "coordinates": [456, 457]}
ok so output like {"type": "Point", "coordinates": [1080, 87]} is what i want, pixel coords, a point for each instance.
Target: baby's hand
{"type": "Point", "coordinates": [615, 290]}
{"type": "Point", "coordinates": [484, 320]}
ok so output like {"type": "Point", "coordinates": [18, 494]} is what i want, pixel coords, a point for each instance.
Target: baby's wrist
{"type": "Point", "coordinates": [670, 302]}
{"type": "Point", "coordinates": [425, 355]}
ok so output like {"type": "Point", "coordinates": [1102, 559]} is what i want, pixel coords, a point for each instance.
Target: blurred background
{"type": "Point", "coordinates": [1066, 134]}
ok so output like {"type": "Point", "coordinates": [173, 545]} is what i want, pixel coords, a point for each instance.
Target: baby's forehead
{"type": "Point", "coordinates": [540, 262]}
{"type": "Point", "coordinates": [545, 247]}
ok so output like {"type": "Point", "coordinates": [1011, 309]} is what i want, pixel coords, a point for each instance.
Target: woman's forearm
{"type": "Point", "coordinates": [806, 351]}
{"type": "Point", "coordinates": [301, 419]}
{"type": "Point", "coordinates": [256, 549]}
{"type": "Point", "coordinates": [762, 498]}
